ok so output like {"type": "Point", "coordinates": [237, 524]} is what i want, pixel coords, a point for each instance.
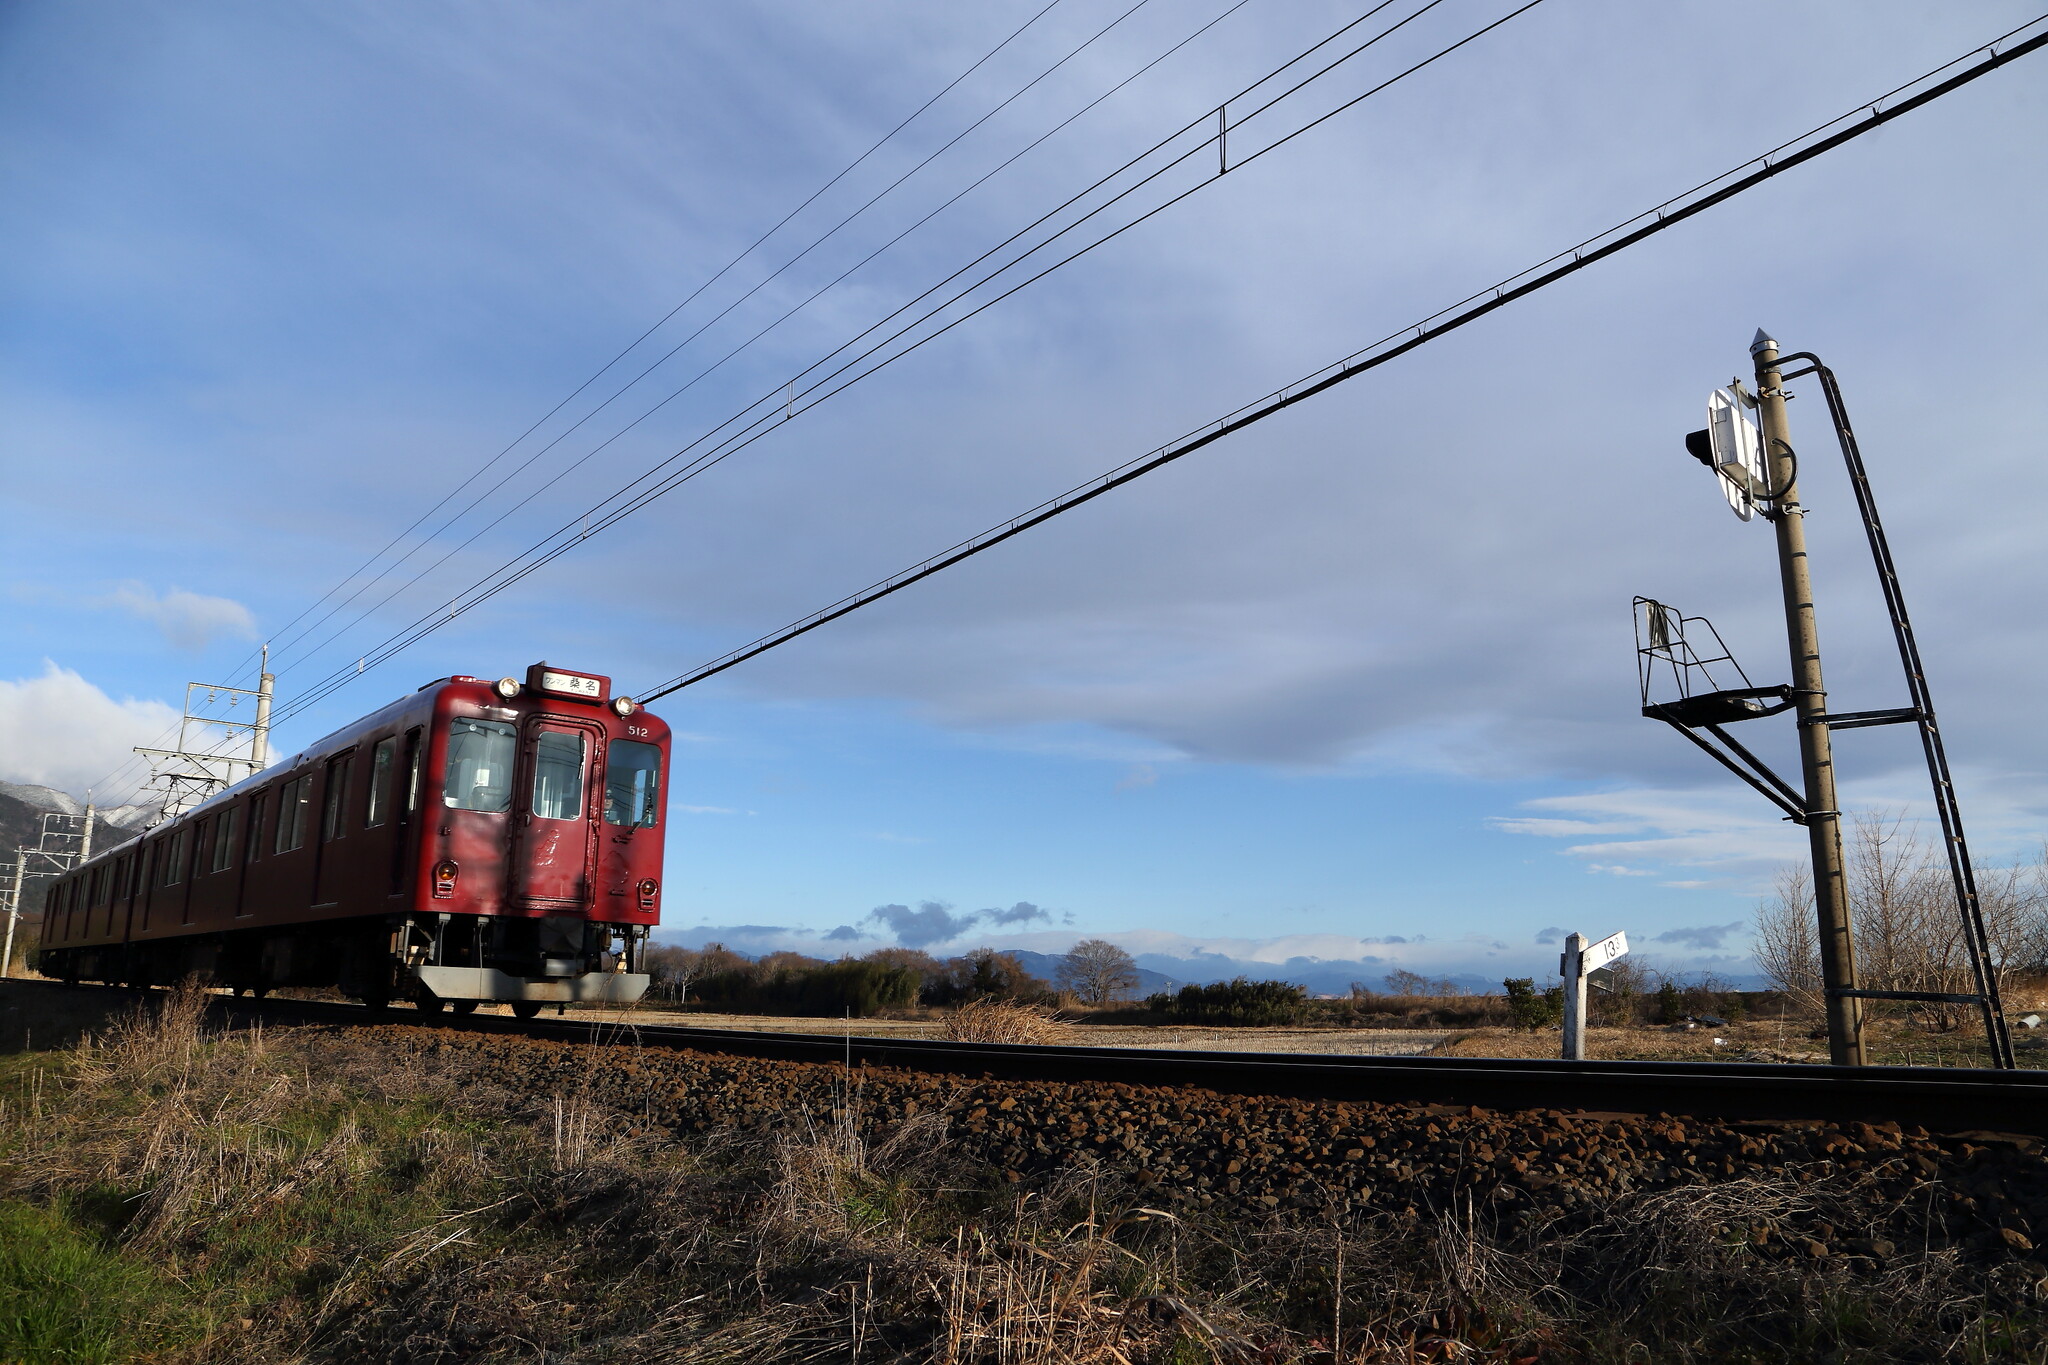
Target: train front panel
{"type": "Point", "coordinates": [540, 874]}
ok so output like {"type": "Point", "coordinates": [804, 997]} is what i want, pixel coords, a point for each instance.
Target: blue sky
{"type": "Point", "coordinates": [277, 279]}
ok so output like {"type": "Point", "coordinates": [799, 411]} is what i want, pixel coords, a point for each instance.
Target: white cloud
{"type": "Point", "coordinates": [188, 620]}
{"type": "Point", "coordinates": [61, 731]}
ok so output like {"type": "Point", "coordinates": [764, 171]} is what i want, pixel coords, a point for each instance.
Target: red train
{"type": "Point", "coordinates": [473, 841]}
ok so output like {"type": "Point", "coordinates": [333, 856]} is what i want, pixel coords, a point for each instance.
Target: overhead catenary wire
{"type": "Point", "coordinates": [690, 298]}
{"type": "Point", "coordinates": [118, 773]}
{"type": "Point", "coordinates": [785, 387]}
{"type": "Point", "coordinates": [1662, 217]}
{"type": "Point", "coordinates": [600, 519]}
{"type": "Point", "coordinates": [665, 357]}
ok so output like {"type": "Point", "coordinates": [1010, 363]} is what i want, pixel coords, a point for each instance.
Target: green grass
{"type": "Point", "coordinates": [66, 1297]}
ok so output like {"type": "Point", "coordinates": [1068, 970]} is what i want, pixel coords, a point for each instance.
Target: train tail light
{"type": "Point", "coordinates": [444, 878]}
{"type": "Point", "coordinates": [647, 888]}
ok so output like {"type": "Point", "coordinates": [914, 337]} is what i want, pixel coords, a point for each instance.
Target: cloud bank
{"type": "Point", "coordinates": [58, 730]}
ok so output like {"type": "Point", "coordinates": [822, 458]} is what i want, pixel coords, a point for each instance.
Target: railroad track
{"type": "Point", "coordinates": [1942, 1100]}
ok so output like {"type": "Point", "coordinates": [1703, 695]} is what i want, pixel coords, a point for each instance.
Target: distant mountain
{"type": "Point", "coordinates": [130, 818]}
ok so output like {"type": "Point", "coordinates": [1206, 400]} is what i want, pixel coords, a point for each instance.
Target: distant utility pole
{"type": "Point", "coordinates": [57, 849]}
{"type": "Point", "coordinates": [1809, 699]}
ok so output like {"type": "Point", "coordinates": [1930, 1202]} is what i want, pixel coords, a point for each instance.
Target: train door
{"type": "Point", "coordinates": [553, 840]}
{"type": "Point", "coordinates": [331, 865]}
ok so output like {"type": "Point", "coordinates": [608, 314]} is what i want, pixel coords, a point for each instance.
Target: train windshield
{"type": "Point", "coordinates": [480, 754]}
{"type": "Point", "coordinates": [558, 775]}
{"type": "Point", "coordinates": [632, 784]}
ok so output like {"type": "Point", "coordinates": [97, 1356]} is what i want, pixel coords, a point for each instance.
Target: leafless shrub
{"type": "Point", "coordinates": [1006, 1021]}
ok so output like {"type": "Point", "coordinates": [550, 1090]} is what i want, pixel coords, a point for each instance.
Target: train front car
{"type": "Point", "coordinates": [539, 870]}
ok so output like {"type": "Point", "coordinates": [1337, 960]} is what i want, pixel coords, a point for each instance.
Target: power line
{"type": "Point", "coordinates": [666, 356]}
{"type": "Point", "coordinates": [773, 394]}
{"type": "Point", "coordinates": [757, 243]}
{"type": "Point", "coordinates": [1619, 238]}
{"type": "Point", "coordinates": [119, 771]}
{"type": "Point", "coordinates": [598, 518]}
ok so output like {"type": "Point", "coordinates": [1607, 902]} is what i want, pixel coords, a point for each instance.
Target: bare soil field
{"type": "Point", "coordinates": [1337, 1042]}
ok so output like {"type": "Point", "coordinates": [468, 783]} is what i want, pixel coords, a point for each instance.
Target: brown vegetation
{"type": "Point", "coordinates": [1006, 1021]}
{"type": "Point", "coordinates": [418, 1195]}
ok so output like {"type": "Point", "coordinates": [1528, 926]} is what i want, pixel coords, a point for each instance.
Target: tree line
{"type": "Point", "coordinates": [1094, 972]}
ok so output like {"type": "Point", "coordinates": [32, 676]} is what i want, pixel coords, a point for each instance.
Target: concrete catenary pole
{"type": "Point", "coordinates": [85, 840]}
{"type": "Point", "coordinates": [259, 740]}
{"type": "Point", "coordinates": [1816, 755]}
{"type": "Point", "coordinates": [14, 910]}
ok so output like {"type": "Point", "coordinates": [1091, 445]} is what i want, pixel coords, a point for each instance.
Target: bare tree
{"type": "Point", "coordinates": [1787, 948]}
{"type": "Point", "coordinates": [1909, 934]}
{"type": "Point", "coordinates": [1097, 971]}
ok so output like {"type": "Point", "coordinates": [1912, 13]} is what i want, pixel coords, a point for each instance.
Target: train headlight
{"type": "Point", "coordinates": [625, 706]}
{"type": "Point", "coordinates": [444, 878]}
{"type": "Point", "coordinates": [508, 688]}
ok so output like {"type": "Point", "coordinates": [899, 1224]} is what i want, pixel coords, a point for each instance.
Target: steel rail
{"type": "Point", "coordinates": [1940, 1099]}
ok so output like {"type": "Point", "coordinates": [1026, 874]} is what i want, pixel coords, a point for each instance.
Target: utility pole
{"type": "Point", "coordinates": [1809, 696]}
{"type": "Point", "coordinates": [259, 740]}
{"type": "Point", "coordinates": [14, 910]}
{"type": "Point", "coordinates": [52, 854]}
{"type": "Point", "coordinates": [202, 764]}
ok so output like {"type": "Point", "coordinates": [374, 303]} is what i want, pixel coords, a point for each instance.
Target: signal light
{"type": "Point", "coordinates": [508, 688]}
{"type": "Point", "coordinates": [444, 878]}
{"type": "Point", "coordinates": [1700, 445]}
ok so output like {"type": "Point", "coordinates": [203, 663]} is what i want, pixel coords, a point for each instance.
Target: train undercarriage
{"type": "Point", "coordinates": [431, 960]}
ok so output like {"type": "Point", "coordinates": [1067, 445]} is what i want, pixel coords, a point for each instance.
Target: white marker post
{"type": "Point", "coordinates": [1580, 958]}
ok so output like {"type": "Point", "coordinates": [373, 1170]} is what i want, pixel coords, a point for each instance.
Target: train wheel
{"type": "Point", "coordinates": [428, 1002]}
{"type": "Point", "coordinates": [526, 1009]}
{"type": "Point", "coordinates": [463, 1006]}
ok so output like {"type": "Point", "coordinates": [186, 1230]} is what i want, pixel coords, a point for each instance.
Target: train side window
{"type": "Point", "coordinates": [123, 886]}
{"type": "Point", "coordinates": [254, 847]}
{"type": "Point", "coordinates": [224, 838]}
{"type": "Point", "coordinates": [480, 754]}
{"type": "Point", "coordinates": [380, 782]}
{"type": "Point", "coordinates": [174, 859]}
{"type": "Point", "coordinates": [632, 784]}
{"type": "Point", "coordinates": [558, 775]}
{"type": "Point", "coordinates": [292, 805]}
{"type": "Point", "coordinates": [335, 799]}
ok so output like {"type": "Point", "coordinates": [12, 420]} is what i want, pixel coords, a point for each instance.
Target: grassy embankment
{"type": "Point", "coordinates": [254, 1198]}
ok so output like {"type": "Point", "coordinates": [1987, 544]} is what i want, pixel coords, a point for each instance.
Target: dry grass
{"type": "Point", "coordinates": [306, 1206]}
{"type": "Point", "coordinates": [1007, 1021]}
